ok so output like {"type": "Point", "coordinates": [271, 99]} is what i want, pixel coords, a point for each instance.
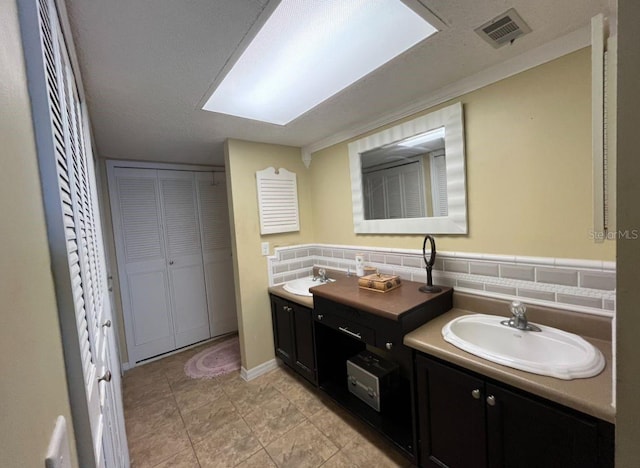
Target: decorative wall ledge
{"type": "Point", "coordinates": [586, 286]}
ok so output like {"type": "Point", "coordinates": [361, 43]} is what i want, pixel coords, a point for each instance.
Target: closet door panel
{"type": "Point", "coordinates": [140, 249]}
{"type": "Point", "coordinates": [151, 319]}
{"type": "Point", "coordinates": [184, 253]}
{"type": "Point", "coordinates": [216, 252]}
{"type": "Point", "coordinates": [189, 304]}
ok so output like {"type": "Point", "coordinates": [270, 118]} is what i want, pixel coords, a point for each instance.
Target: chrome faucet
{"type": "Point", "coordinates": [322, 276]}
{"type": "Point", "coordinates": [519, 318]}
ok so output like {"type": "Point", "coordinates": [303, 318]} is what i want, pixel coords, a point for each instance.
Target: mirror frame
{"type": "Point", "coordinates": [456, 221]}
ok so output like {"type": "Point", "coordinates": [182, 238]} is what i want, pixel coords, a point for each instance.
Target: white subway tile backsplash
{"type": "Point", "coordinates": [500, 289]}
{"type": "Point", "coordinates": [533, 294]}
{"type": "Point", "coordinates": [393, 259]}
{"type": "Point", "coordinates": [484, 269]}
{"type": "Point", "coordinates": [281, 268]}
{"type": "Point", "coordinates": [517, 272]}
{"type": "Point", "coordinates": [557, 276]}
{"type": "Point", "coordinates": [457, 266]}
{"type": "Point", "coordinates": [415, 262]}
{"type": "Point", "coordinates": [569, 284]}
{"type": "Point", "coordinates": [349, 255]}
{"type": "Point", "coordinates": [376, 258]}
{"type": "Point", "coordinates": [289, 255]}
{"type": "Point", "coordinates": [470, 284]}
{"type": "Point", "coordinates": [594, 302]}
{"type": "Point", "coordinates": [597, 280]}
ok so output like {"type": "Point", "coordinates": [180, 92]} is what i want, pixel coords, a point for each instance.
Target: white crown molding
{"type": "Point", "coordinates": [552, 50]}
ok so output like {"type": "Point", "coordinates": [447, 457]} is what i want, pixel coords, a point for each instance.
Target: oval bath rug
{"type": "Point", "coordinates": [219, 359]}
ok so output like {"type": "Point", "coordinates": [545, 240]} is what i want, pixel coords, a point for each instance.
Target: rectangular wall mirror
{"type": "Point", "coordinates": [410, 178]}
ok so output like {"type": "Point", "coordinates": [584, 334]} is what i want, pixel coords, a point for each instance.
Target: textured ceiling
{"type": "Point", "coordinates": [147, 64]}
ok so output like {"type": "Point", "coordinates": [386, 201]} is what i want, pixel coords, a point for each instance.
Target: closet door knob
{"type": "Point", "coordinates": [107, 324]}
{"type": "Point", "coordinates": [106, 377]}
{"type": "Point", "coordinates": [171, 262]}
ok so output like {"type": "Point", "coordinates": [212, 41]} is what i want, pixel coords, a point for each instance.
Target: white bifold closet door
{"type": "Point", "coordinates": [216, 252]}
{"type": "Point", "coordinates": [157, 231]}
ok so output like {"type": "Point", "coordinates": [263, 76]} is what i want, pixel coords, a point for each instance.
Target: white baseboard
{"type": "Point", "coordinates": [258, 370]}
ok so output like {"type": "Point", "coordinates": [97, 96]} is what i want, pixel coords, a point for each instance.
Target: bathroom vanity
{"type": "Point", "coordinates": [448, 407]}
{"type": "Point", "coordinates": [473, 412]}
{"type": "Point", "coordinates": [346, 321]}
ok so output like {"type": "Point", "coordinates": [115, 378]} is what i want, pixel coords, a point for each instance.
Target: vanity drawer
{"type": "Point", "coordinates": [347, 327]}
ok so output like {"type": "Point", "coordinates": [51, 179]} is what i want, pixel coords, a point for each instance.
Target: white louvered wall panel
{"type": "Point", "coordinates": [277, 201]}
{"type": "Point", "coordinates": [140, 215]}
{"type": "Point", "coordinates": [215, 218]}
{"type": "Point", "coordinates": [180, 215]}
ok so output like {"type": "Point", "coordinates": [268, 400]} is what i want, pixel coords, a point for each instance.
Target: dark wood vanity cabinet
{"type": "Point", "coordinates": [466, 420]}
{"type": "Point", "coordinates": [293, 336]}
{"type": "Point", "coordinates": [348, 321]}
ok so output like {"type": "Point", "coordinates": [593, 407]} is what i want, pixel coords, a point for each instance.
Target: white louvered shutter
{"type": "Point", "coordinates": [85, 286]}
{"type": "Point", "coordinates": [277, 201]}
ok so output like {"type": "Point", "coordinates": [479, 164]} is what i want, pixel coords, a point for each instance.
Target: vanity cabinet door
{"type": "Point", "coordinates": [305, 362]}
{"type": "Point", "coordinates": [529, 434]}
{"type": "Point", "coordinates": [293, 336]}
{"type": "Point", "coordinates": [451, 414]}
{"type": "Point", "coordinates": [465, 421]}
{"type": "Point", "coordinates": [282, 329]}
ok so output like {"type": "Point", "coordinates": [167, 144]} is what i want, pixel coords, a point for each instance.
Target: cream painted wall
{"type": "Point", "coordinates": [528, 153]}
{"type": "Point", "coordinates": [242, 160]}
{"type": "Point", "coordinates": [628, 253]}
{"type": "Point", "coordinates": [33, 386]}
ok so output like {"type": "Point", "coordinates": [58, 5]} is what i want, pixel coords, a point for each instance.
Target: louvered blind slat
{"type": "Point", "coordinates": [140, 214]}
{"type": "Point", "coordinates": [180, 217]}
{"type": "Point", "coordinates": [277, 201]}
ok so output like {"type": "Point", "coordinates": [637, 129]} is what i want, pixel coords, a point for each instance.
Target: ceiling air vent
{"type": "Point", "coordinates": [503, 29]}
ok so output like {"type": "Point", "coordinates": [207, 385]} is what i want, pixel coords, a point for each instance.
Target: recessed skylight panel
{"type": "Point", "coordinates": [309, 50]}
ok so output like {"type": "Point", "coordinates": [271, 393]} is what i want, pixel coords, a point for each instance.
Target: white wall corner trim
{"type": "Point", "coordinates": [259, 370]}
{"type": "Point", "coordinates": [564, 45]}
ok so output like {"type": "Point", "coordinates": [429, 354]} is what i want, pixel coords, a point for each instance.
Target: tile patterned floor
{"type": "Point", "coordinates": [275, 420]}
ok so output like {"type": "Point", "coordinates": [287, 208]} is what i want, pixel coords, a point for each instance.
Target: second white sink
{"type": "Point", "coordinates": [549, 352]}
{"type": "Point", "coordinates": [301, 286]}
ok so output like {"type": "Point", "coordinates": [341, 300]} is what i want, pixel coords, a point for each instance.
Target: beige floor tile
{"type": "Point", "coordinates": [247, 396]}
{"type": "Point", "coordinates": [340, 460]}
{"type": "Point", "coordinates": [142, 395]}
{"type": "Point", "coordinates": [227, 448]}
{"type": "Point", "coordinates": [184, 459]}
{"type": "Point", "coordinates": [302, 447]}
{"type": "Point", "coordinates": [201, 422]}
{"type": "Point", "coordinates": [273, 419]}
{"type": "Point", "coordinates": [144, 419]}
{"type": "Point", "coordinates": [363, 452]}
{"type": "Point", "coordinates": [336, 425]}
{"type": "Point", "coordinates": [159, 445]}
{"type": "Point", "coordinates": [260, 459]}
{"type": "Point", "coordinates": [193, 393]}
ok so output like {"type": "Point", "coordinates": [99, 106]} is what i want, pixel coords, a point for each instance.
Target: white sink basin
{"type": "Point", "coordinates": [301, 286]}
{"type": "Point", "coordinates": [550, 352]}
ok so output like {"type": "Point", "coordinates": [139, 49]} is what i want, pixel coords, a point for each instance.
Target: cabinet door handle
{"type": "Point", "coordinates": [287, 308]}
{"type": "Point", "coordinates": [349, 332]}
{"type": "Point", "coordinates": [475, 393]}
{"type": "Point", "coordinates": [320, 316]}
{"type": "Point", "coordinates": [491, 400]}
